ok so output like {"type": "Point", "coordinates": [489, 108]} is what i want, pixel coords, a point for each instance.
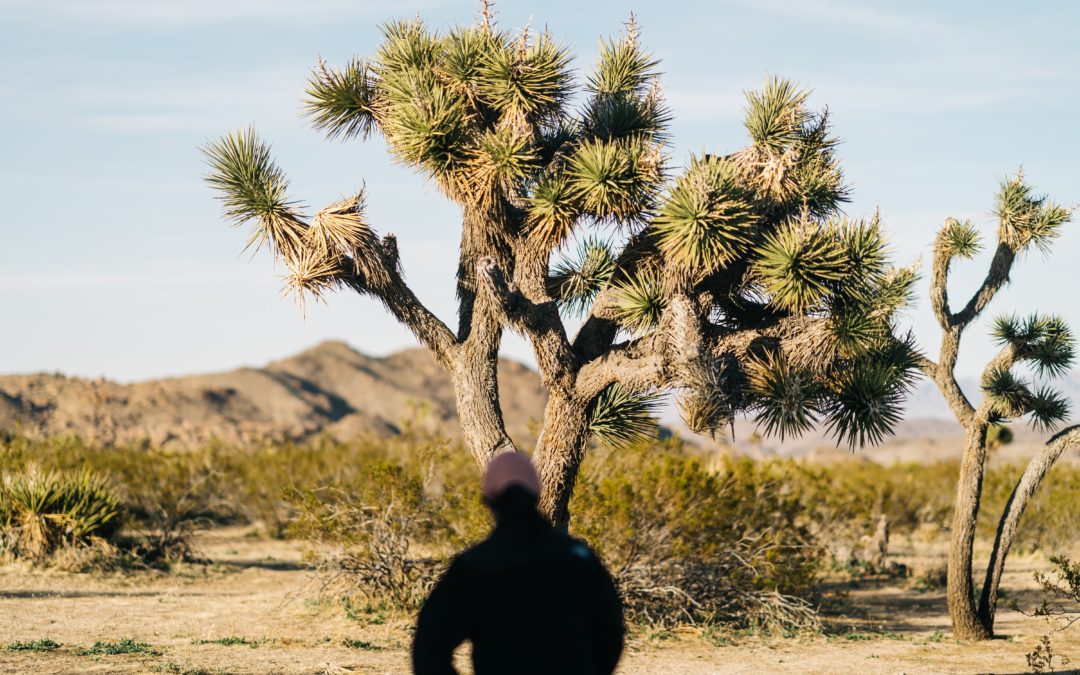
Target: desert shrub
{"type": "Point", "coordinates": [689, 545]}
{"type": "Point", "coordinates": [41, 511]}
{"type": "Point", "coordinates": [1059, 605]}
{"type": "Point", "coordinates": [379, 534]}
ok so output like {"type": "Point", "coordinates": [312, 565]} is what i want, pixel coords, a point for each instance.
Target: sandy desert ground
{"type": "Point", "coordinates": [257, 609]}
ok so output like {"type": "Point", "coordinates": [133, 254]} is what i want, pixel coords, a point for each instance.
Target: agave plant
{"type": "Point", "coordinates": [41, 510]}
{"type": "Point", "coordinates": [733, 281]}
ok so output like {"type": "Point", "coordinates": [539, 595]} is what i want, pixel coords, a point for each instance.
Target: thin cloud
{"type": "Point", "coordinates": [833, 11]}
{"type": "Point", "coordinates": [187, 12]}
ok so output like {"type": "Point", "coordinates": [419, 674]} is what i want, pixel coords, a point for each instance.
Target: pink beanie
{"type": "Point", "coordinates": [509, 468]}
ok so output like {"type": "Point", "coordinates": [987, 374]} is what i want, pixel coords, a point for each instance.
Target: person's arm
{"type": "Point", "coordinates": [441, 626]}
{"type": "Point", "coordinates": [608, 626]}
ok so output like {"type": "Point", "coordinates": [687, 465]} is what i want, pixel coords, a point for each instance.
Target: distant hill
{"type": "Point", "coordinates": [335, 389]}
{"type": "Point", "coordinates": [330, 387]}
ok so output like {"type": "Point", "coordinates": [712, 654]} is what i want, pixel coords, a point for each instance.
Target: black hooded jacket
{"type": "Point", "coordinates": [530, 599]}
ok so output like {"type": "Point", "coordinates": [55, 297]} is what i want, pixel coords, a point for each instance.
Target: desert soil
{"type": "Point", "coordinates": [260, 590]}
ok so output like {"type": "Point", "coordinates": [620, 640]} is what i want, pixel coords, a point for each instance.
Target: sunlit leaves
{"type": "Point", "coordinates": [613, 116]}
{"type": "Point", "coordinates": [407, 45]}
{"type": "Point", "coordinates": [958, 239]}
{"type": "Point", "coordinates": [553, 210]}
{"type": "Point", "coordinates": [797, 265]}
{"type": "Point", "coordinates": [576, 280]}
{"type": "Point", "coordinates": [705, 221]}
{"type": "Point", "coordinates": [1026, 219]}
{"type": "Point", "coordinates": [531, 80]}
{"type": "Point", "coordinates": [775, 115]}
{"type": "Point", "coordinates": [620, 416]}
{"type": "Point", "coordinates": [623, 67]}
{"type": "Point", "coordinates": [427, 125]}
{"type": "Point", "coordinates": [464, 51]}
{"type": "Point", "coordinates": [341, 102]}
{"type": "Point", "coordinates": [501, 161]}
{"type": "Point", "coordinates": [639, 301]}
{"type": "Point", "coordinates": [251, 186]}
{"type": "Point", "coordinates": [614, 181]}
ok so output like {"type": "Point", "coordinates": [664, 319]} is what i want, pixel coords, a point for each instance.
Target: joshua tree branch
{"type": "Point", "coordinates": [400, 300]}
{"type": "Point", "coordinates": [636, 364]}
{"type": "Point", "coordinates": [540, 321]}
{"type": "Point", "coordinates": [1025, 488]}
{"type": "Point", "coordinates": [996, 277]}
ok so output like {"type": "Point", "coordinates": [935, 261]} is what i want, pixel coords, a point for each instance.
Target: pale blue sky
{"type": "Point", "coordinates": [114, 260]}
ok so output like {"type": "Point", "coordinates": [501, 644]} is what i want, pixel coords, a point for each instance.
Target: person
{"type": "Point", "coordinates": [530, 598]}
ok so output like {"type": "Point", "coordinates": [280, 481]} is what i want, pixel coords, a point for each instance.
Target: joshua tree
{"type": "Point", "coordinates": [733, 281]}
{"type": "Point", "coordinates": [1043, 343]}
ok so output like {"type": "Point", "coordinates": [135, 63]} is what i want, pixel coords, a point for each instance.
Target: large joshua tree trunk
{"type": "Point", "coordinates": [962, 610]}
{"type": "Point", "coordinates": [559, 452]}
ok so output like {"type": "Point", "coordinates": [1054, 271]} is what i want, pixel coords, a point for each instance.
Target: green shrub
{"type": "Point", "coordinates": [690, 545]}
{"type": "Point", "coordinates": [125, 646]}
{"type": "Point", "coordinates": [43, 510]}
{"type": "Point", "coordinates": [41, 645]}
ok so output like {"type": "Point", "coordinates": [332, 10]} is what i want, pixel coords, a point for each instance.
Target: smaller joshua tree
{"type": "Point", "coordinates": [1041, 342]}
{"type": "Point", "coordinates": [733, 281]}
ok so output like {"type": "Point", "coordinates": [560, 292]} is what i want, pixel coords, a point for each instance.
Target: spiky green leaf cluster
{"type": "Point", "coordinates": [252, 187]}
{"type": "Point", "coordinates": [503, 158]}
{"type": "Point", "coordinates": [959, 239]}
{"type": "Point", "coordinates": [866, 404]}
{"type": "Point", "coordinates": [1008, 394]}
{"type": "Point", "coordinates": [426, 124]}
{"type": "Point", "coordinates": [249, 183]}
{"type": "Point", "coordinates": [706, 221]}
{"type": "Point", "coordinates": [865, 301]}
{"type": "Point", "coordinates": [1025, 218]}
{"type": "Point", "coordinates": [341, 102]}
{"type": "Point", "coordinates": [640, 300]}
{"type": "Point", "coordinates": [798, 265]}
{"type": "Point", "coordinates": [576, 280]}
{"type": "Point", "coordinates": [1048, 408]}
{"type": "Point", "coordinates": [622, 67]}
{"type": "Point", "coordinates": [786, 398]}
{"type": "Point", "coordinates": [615, 181]}
{"type": "Point", "coordinates": [792, 161]}
{"type": "Point", "coordinates": [620, 416]}
{"type": "Point", "coordinates": [49, 507]}
{"type": "Point", "coordinates": [775, 115]}
{"type": "Point", "coordinates": [1044, 341]}
{"type": "Point", "coordinates": [407, 45]}
{"type": "Point", "coordinates": [526, 78]}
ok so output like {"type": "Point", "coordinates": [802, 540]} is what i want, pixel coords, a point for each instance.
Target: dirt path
{"type": "Point", "coordinates": [256, 610]}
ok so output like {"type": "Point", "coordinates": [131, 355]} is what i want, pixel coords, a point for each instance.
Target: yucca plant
{"type": "Point", "coordinates": [42, 510]}
{"type": "Point", "coordinates": [733, 281]}
{"type": "Point", "coordinates": [1043, 344]}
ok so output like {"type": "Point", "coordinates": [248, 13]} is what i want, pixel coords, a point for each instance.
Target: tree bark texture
{"type": "Point", "coordinates": [961, 595]}
{"type": "Point", "coordinates": [559, 452]}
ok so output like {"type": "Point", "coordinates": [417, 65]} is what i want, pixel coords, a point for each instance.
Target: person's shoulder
{"type": "Point", "coordinates": [575, 547]}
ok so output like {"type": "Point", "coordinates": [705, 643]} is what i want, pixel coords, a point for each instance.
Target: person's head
{"type": "Point", "coordinates": [511, 484]}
